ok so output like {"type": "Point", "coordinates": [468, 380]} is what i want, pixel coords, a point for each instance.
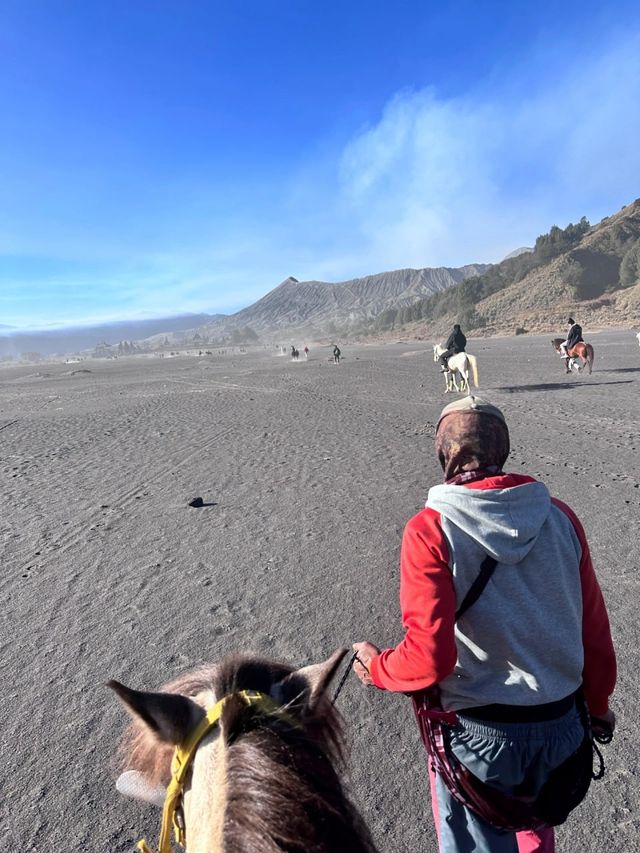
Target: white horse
{"type": "Point", "coordinates": [459, 363]}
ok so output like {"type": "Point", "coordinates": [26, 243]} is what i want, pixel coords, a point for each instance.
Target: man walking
{"type": "Point", "coordinates": [511, 659]}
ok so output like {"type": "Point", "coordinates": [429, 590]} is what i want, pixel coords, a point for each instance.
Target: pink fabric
{"type": "Point", "coordinates": [434, 799]}
{"type": "Point", "coordinates": [529, 840]}
{"type": "Point", "coordinates": [538, 841]}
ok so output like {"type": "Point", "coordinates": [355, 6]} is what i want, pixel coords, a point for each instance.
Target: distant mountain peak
{"type": "Point", "coordinates": [314, 306]}
{"type": "Point", "coordinates": [521, 251]}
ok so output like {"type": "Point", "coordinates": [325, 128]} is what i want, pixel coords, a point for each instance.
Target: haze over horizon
{"type": "Point", "coordinates": [163, 158]}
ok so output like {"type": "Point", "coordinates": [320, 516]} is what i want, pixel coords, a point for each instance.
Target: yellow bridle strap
{"type": "Point", "coordinates": [183, 758]}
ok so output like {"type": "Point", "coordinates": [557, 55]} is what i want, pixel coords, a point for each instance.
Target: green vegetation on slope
{"type": "Point", "coordinates": [461, 299]}
{"type": "Point", "coordinates": [594, 261]}
{"type": "Point", "coordinates": [630, 266]}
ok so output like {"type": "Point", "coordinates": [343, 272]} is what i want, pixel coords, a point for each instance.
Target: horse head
{"type": "Point", "coordinates": [240, 748]}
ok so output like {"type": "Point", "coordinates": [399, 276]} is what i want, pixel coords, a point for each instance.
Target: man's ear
{"type": "Point", "coordinates": [169, 716]}
{"type": "Point", "coordinates": [308, 684]}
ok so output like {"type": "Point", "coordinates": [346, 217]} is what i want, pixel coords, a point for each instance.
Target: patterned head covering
{"type": "Point", "coordinates": [472, 440]}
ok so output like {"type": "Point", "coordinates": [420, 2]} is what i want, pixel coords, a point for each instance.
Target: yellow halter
{"type": "Point", "coordinates": [183, 757]}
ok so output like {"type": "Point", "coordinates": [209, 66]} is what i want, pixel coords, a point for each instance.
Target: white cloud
{"type": "Point", "coordinates": [449, 181]}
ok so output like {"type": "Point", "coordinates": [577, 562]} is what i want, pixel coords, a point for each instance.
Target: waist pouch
{"type": "Point", "coordinates": [565, 788]}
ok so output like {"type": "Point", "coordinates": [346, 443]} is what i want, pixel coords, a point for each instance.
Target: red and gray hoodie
{"type": "Point", "coordinates": [540, 627]}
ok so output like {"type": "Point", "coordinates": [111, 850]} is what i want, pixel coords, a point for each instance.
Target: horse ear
{"type": "Point", "coordinates": [136, 786]}
{"type": "Point", "coordinates": [169, 716]}
{"type": "Point", "coordinates": [314, 679]}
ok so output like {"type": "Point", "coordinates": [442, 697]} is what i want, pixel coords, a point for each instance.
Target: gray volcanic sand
{"type": "Point", "coordinates": [313, 470]}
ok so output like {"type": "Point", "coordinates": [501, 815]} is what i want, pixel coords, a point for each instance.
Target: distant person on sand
{"type": "Point", "coordinates": [574, 336]}
{"type": "Point", "coordinates": [336, 354]}
{"type": "Point", "coordinates": [456, 342]}
{"type": "Point", "coordinates": [306, 352]}
{"type": "Point", "coordinates": [506, 637]}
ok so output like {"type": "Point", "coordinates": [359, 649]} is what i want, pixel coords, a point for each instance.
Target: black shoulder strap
{"type": "Point", "coordinates": [477, 587]}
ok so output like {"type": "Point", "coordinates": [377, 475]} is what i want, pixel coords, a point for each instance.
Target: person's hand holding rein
{"type": "Point", "coordinates": [603, 727]}
{"type": "Point", "coordinates": [362, 665]}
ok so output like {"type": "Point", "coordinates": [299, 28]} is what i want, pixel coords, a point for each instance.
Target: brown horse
{"type": "Point", "coordinates": [581, 351]}
{"type": "Point", "coordinates": [262, 775]}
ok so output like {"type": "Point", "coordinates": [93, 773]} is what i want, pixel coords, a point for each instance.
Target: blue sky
{"type": "Point", "coordinates": [167, 156]}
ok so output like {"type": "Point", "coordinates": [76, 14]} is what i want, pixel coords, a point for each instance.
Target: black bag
{"type": "Point", "coordinates": [565, 788]}
{"type": "Point", "coordinates": [568, 784]}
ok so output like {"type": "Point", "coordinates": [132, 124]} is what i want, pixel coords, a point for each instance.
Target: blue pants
{"type": "Point", "coordinates": [506, 756]}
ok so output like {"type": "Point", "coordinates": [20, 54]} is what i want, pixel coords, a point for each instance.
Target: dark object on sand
{"type": "Point", "coordinates": [197, 502]}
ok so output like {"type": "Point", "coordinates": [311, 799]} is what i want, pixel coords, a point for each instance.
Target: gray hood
{"type": "Point", "coordinates": [504, 522]}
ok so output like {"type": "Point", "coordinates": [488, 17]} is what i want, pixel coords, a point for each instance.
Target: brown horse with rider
{"type": "Point", "coordinates": [574, 347]}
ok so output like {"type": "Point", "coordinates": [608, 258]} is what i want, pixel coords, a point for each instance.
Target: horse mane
{"type": "Point", "coordinates": [287, 772]}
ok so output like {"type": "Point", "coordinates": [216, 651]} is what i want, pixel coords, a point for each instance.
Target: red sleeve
{"type": "Point", "coordinates": [428, 602]}
{"type": "Point", "coordinates": [599, 674]}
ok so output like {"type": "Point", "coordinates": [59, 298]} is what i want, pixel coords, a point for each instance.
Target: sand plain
{"type": "Point", "coordinates": [310, 471]}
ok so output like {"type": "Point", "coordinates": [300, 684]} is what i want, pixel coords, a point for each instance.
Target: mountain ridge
{"type": "Point", "coordinates": [315, 306]}
{"type": "Point", "coordinates": [591, 272]}
{"type": "Point", "coordinates": [79, 338]}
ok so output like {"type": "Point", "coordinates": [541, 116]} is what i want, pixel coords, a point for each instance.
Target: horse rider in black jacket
{"type": "Point", "coordinates": [574, 336]}
{"type": "Point", "coordinates": [456, 342]}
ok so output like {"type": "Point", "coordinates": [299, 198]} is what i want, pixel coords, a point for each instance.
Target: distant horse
{"type": "Point", "coordinates": [580, 355]}
{"type": "Point", "coordinates": [459, 363]}
{"type": "Point", "coordinates": [242, 755]}
{"type": "Point", "coordinates": [294, 353]}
